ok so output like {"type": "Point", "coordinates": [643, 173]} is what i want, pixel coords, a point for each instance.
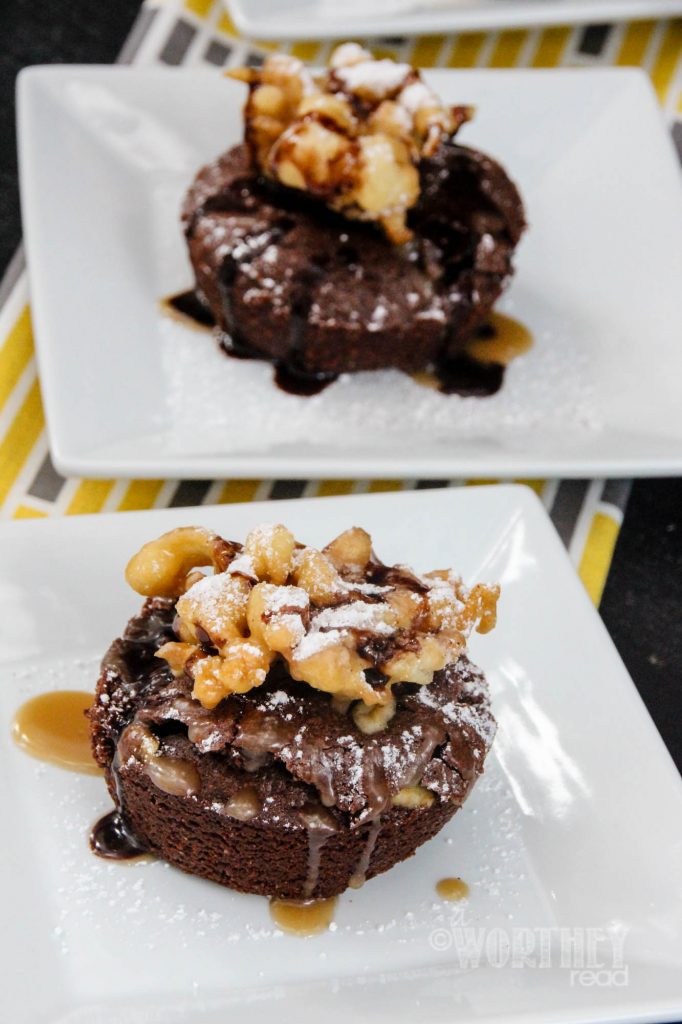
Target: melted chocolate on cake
{"type": "Point", "coordinates": [294, 283]}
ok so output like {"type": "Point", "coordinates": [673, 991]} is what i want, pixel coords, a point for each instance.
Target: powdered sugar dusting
{"type": "Point", "coordinates": [314, 642]}
{"type": "Point", "coordinates": [476, 717]}
{"type": "Point", "coordinates": [287, 598]}
{"type": "Point", "coordinates": [354, 615]}
{"type": "Point", "coordinates": [242, 565]}
{"type": "Point", "coordinates": [214, 597]}
{"type": "Point", "coordinates": [370, 589]}
{"type": "Point", "coordinates": [416, 96]}
{"type": "Point", "coordinates": [373, 77]}
{"type": "Point", "coordinates": [347, 54]}
{"type": "Point", "coordinates": [330, 627]}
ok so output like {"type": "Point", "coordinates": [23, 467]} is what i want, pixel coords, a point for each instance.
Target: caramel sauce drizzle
{"type": "Point", "coordinates": [359, 876]}
{"type": "Point", "coordinates": [303, 917]}
{"type": "Point", "coordinates": [320, 826]}
{"type": "Point", "coordinates": [53, 727]}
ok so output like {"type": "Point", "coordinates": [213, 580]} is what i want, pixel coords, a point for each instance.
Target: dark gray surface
{"type": "Point", "coordinates": [643, 597]}
{"type": "Point", "coordinates": [62, 31]}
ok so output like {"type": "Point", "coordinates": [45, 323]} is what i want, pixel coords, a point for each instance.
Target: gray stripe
{"type": "Point", "coordinates": [425, 485]}
{"type": "Point", "coordinates": [287, 488]}
{"type": "Point", "coordinates": [677, 137]}
{"type": "Point", "coordinates": [189, 492]}
{"type": "Point", "coordinates": [617, 492]}
{"type": "Point", "coordinates": [136, 35]}
{"type": "Point", "coordinates": [14, 271]}
{"type": "Point", "coordinates": [217, 53]}
{"type": "Point", "coordinates": [568, 502]}
{"type": "Point", "coordinates": [47, 483]}
{"type": "Point", "coordinates": [593, 40]}
{"type": "Point", "coordinates": [178, 42]}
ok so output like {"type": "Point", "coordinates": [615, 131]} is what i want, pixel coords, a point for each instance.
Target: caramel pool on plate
{"type": "Point", "coordinates": [307, 917]}
{"type": "Point", "coordinates": [452, 889]}
{"type": "Point", "coordinates": [505, 340]}
{"type": "Point", "coordinates": [53, 727]}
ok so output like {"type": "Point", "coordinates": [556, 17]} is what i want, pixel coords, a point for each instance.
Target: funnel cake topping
{"type": "Point", "coordinates": [342, 621]}
{"type": "Point", "coordinates": [353, 136]}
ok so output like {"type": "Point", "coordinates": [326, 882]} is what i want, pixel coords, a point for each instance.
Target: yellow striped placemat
{"type": "Point", "coordinates": [587, 513]}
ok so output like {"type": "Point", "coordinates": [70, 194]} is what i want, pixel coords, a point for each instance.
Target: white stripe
{"type": "Point", "coordinates": [17, 397]}
{"type": "Point", "coordinates": [584, 521]}
{"type": "Point", "coordinates": [115, 496]}
{"type": "Point", "coordinates": [213, 493]}
{"type": "Point", "coordinates": [549, 492]}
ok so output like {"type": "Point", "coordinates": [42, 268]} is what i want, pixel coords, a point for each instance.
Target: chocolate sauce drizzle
{"type": "Point", "coordinates": [112, 839]}
{"type": "Point", "coordinates": [287, 377]}
{"type": "Point", "coordinates": [461, 374]}
{"type": "Point", "coordinates": [468, 377]}
{"type": "Point", "coordinates": [189, 305]}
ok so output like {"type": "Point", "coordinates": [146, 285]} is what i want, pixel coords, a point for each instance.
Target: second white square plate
{"type": "Point", "coordinates": [570, 842]}
{"type": "Point", "coordinates": [324, 19]}
{"type": "Point", "coordinates": [106, 155]}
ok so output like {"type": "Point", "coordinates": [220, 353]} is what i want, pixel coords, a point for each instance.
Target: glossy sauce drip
{"type": "Point", "coordinates": [287, 378]}
{"type": "Point", "coordinates": [468, 377]}
{"type": "Point", "coordinates": [243, 805]}
{"type": "Point", "coordinates": [173, 775]}
{"type": "Point", "coordinates": [359, 876]}
{"type": "Point", "coordinates": [112, 839]}
{"type": "Point", "coordinates": [188, 307]}
{"type": "Point", "coordinates": [452, 889]}
{"type": "Point", "coordinates": [478, 371]}
{"type": "Point", "coordinates": [306, 917]}
{"type": "Point", "coordinates": [53, 727]}
{"type": "Point", "coordinates": [320, 825]}
{"type": "Point", "coordinates": [294, 383]}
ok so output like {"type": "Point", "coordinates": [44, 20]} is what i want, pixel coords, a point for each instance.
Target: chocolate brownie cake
{"type": "Point", "coordinates": [296, 722]}
{"type": "Point", "coordinates": [350, 231]}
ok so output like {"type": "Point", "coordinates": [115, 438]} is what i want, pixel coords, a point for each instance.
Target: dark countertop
{"type": "Point", "coordinates": [643, 597]}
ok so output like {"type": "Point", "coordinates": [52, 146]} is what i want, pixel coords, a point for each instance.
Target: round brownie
{"type": "Point", "coordinates": [289, 280]}
{"type": "Point", "coordinates": [277, 791]}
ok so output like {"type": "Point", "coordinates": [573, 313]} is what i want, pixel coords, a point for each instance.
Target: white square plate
{"type": "Point", "coordinates": [106, 155]}
{"type": "Point", "coordinates": [576, 823]}
{"type": "Point", "coordinates": [323, 19]}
